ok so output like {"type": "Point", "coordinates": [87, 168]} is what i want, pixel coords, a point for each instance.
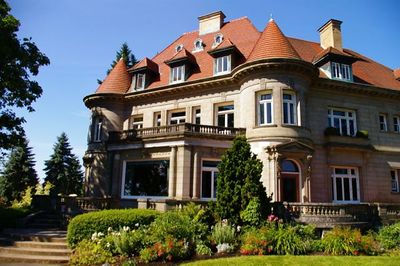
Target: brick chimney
{"type": "Point", "coordinates": [211, 22]}
{"type": "Point", "coordinates": [331, 35]}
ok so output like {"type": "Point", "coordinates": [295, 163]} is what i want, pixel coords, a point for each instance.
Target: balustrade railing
{"type": "Point", "coordinates": [184, 128]}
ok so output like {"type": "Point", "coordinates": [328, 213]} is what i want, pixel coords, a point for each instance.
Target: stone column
{"type": "Point", "coordinates": [195, 192]}
{"type": "Point", "coordinates": [172, 177]}
{"type": "Point", "coordinates": [183, 173]}
{"type": "Point", "coordinates": [277, 104]}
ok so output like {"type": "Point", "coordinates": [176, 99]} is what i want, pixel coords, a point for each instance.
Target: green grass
{"type": "Point", "coordinates": [299, 260]}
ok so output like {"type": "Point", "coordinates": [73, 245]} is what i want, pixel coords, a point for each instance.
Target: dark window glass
{"type": "Point", "coordinates": [289, 166]}
{"type": "Point", "coordinates": [354, 185]}
{"type": "Point", "coordinates": [339, 194]}
{"type": "Point", "coordinates": [206, 184]}
{"type": "Point", "coordinates": [347, 191]}
{"type": "Point", "coordinates": [213, 164]}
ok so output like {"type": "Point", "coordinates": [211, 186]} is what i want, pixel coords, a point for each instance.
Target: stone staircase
{"type": "Point", "coordinates": [42, 243]}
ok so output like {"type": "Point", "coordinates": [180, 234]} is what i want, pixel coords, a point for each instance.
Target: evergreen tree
{"type": "Point", "coordinates": [125, 53]}
{"type": "Point", "coordinates": [239, 182]}
{"type": "Point", "coordinates": [18, 172]}
{"type": "Point", "coordinates": [63, 169]}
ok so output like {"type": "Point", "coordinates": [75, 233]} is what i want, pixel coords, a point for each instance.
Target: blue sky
{"type": "Point", "coordinates": [81, 37]}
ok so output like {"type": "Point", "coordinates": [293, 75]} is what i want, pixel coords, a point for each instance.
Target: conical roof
{"type": "Point", "coordinates": [118, 81]}
{"type": "Point", "coordinates": [272, 44]}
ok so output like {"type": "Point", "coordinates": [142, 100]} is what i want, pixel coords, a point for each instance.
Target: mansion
{"type": "Point", "coordinates": [324, 120]}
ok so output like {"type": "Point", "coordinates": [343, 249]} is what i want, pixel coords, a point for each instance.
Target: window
{"type": "Point", "coordinates": [145, 178]}
{"type": "Point", "coordinates": [157, 119]}
{"type": "Point", "coordinates": [396, 124]}
{"type": "Point", "coordinates": [345, 184]}
{"type": "Point", "coordinates": [394, 174]}
{"type": "Point", "coordinates": [98, 127]}
{"type": "Point", "coordinates": [198, 45]}
{"type": "Point", "coordinates": [196, 115]}
{"type": "Point", "coordinates": [218, 39]}
{"type": "Point", "coordinates": [265, 109]}
{"type": "Point", "coordinates": [178, 118]}
{"type": "Point", "coordinates": [289, 108]}
{"type": "Point", "coordinates": [178, 74]}
{"type": "Point", "coordinates": [222, 65]}
{"type": "Point", "coordinates": [341, 71]}
{"type": "Point", "coordinates": [179, 47]}
{"type": "Point", "coordinates": [343, 120]}
{"type": "Point", "coordinates": [140, 81]}
{"type": "Point", "coordinates": [209, 175]}
{"type": "Point", "coordinates": [137, 122]}
{"type": "Point", "coordinates": [225, 116]}
{"type": "Point", "coordinates": [382, 122]}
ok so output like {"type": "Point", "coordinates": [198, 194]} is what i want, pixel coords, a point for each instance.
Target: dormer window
{"type": "Point", "coordinates": [179, 47]}
{"type": "Point", "coordinates": [140, 81]}
{"type": "Point", "coordinates": [218, 39]}
{"type": "Point", "coordinates": [341, 71]}
{"type": "Point", "coordinates": [198, 45]}
{"type": "Point", "coordinates": [178, 74]}
{"type": "Point", "coordinates": [222, 65]}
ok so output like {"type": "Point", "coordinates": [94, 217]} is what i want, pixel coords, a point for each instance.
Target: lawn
{"type": "Point", "coordinates": [299, 260]}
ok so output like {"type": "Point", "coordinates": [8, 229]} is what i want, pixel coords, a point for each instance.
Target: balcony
{"type": "Point", "coordinates": [179, 130]}
{"type": "Point", "coordinates": [359, 141]}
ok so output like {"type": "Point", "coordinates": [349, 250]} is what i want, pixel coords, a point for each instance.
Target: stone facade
{"type": "Point", "coordinates": [281, 105]}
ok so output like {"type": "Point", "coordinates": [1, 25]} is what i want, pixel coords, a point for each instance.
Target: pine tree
{"type": "Point", "coordinates": [239, 182]}
{"type": "Point", "coordinates": [18, 172]}
{"type": "Point", "coordinates": [63, 169]}
{"type": "Point", "coordinates": [125, 53]}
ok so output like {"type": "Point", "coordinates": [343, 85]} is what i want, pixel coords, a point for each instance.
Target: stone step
{"type": "Point", "coordinates": [45, 245]}
{"type": "Point", "coordinates": [35, 251]}
{"type": "Point", "coordinates": [25, 258]}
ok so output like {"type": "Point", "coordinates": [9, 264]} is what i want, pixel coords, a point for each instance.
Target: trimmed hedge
{"type": "Point", "coordinates": [84, 225]}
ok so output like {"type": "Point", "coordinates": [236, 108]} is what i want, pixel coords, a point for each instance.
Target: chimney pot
{"type": "Point", "coordinates": [330, 35]}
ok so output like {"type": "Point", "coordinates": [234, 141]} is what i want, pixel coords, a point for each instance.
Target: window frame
{"type": "Point", "coordinates": [383, 125]}
{"type": "Point", "coordinates": [396, 124]}
{"type": "Point", "coordinates": [213, 170]}
{"type": "Point", "coordinates": [196, 115]}
{"type": "Point", "coordinates": [265, 105]}
{"type": "Point", "coordinates": [225, 113]}
{"type": "Point", "coordinates": [136, 124]}
{"type": "Point", "coordinates": [177, 74]}
{"type": "Point", "coordinates": [395, 181]}
{"type": "Point", "coordinates": [348, 176]}
{"type": "Point", "coordinates": [196, 47]}
{"type": "Point", "coordinates": [341, 71]}
{"type": "Point", "coordinates": [157, 119]}
{"type": "Point", "coordinates": [220, 60]}
{"type": "Point", "coordinates": [292, 117]}
{"type": "Point", "coordinates": [143, 83]}
{"type": "Point", "coordinates": [97, 129]}
{"type": "Point", "coordinates": [347, 118]}
{"type": "Point", "coordinates": [178, 118]}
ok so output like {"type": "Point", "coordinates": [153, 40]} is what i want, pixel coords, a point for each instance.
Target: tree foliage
{"type": "Point", "coordinates": [18, 173]}
{"type": "Point", "coordinates": [19, 60]}
{"type": "Point", "coordinates": [63, 169]}
{"type": "Point", "coordinates": [125, 53]}
{"type": "Point", "coordinates": [239, 182]}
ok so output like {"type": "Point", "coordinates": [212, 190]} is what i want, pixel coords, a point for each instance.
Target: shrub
{"type": "Point", "coordinates": [90, 253]}
{"type": "Point", "coordinates": [25, 201]}
{"type": "Point", "coordinates": [389, 236]}
{"type": "Point", "coordinates": [223, 233]}
{"type": "Point", "coordinates": [254, 243]}
{"type": "Point", "coordinates": [251, 216]}
{"type": "Point", "coordinates": [83, 226]}
{"type": "Point", "coordinates": [348, 241]}
{"type": "Point", "coordinates": [126, 242]}
{"type": "Point", "coordinates": [170, 249]}
{"type": "Point", "coordinates": [287, 240]}
{"type": "Point", "coordinates": [203, 249]}
{"type": "Point", "coordinates": [9, 216]}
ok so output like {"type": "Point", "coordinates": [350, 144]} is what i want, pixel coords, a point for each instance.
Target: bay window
{"type": "Point", "coordinates": [289, 108]}
{"type": "Point", "coordinates": [265, 109]}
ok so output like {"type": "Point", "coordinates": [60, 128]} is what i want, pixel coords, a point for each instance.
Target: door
{"type": "Point", "coordinates": [289, 188]}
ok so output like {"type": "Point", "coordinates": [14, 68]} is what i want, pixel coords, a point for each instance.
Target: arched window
{"type": "Point", "coordinates": [179, 47]}
{"type": "Point", "coordinates": [289, 166]}
{"type": "Point", "coordinates": [218, 39]}
{"type": "Point", "coordinates": [198, 45]}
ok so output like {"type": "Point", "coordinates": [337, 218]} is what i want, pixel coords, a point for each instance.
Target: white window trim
{"type": "Point", "coordinates": [123, 196]}
{"type": "Point", "coordinates": [289, 102]}
{"type": "Point", "coordinates": [219, 60]}
{"type": "Point", "coordinates": [137, 124]}
{"type": "Point", "coordinates": [265, 103]}
{"type": "Point", "coordinates": [213, 171]}
{"type": "Point", "coordinates": [198, 49]}
{"type": "Point", "coordinates": [331, 117]}
{"type": "Point", "coordinates": [341, 71]}
{"type": "Point", "coordinates": [225, 113]}
{"type": "Point", "coordinates": [396, 124]}
{"type": "Point", "coordinates": [350, 176]}
{"type": "Point", "coordinates": [157, 119]}
{"type": "Point", "coordinates": [196, 115]}
{"type": "Point", "coordinates": [178, 118]}
{"type": "Point", "coordinates": [178, 48]}
{"type": "Point", "coordinates": [396, 180]}
{"type": "Point", "coordinates": [98, 128]}
{"type": "Point", "coordinates": [138, 86]}
{"type": "Point", "coordinates": [176, 69]}
{"type": "Point", "coordinates": [383, 123]}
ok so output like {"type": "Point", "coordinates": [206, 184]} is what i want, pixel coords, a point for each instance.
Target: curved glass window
{"type": "Point", "coordinates": [289, 166]}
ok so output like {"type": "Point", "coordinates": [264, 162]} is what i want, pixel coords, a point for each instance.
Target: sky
{"type": "Point", "coordinates": [81, 37]}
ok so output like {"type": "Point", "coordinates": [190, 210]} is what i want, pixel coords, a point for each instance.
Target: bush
{"type": "Point", "coordinates": [83, 226]}
{"type": "Point", "coordinates": [254, 243]}
{"type": "Point", "coordinates": [9, 216]}
{"type": "Point", "coordinates": [389, 236]}
{"type": "Point", "coordinates": [287, 240]}
{"type": "Point", "coordinates": [90, 253]}
{"type": "Point", "coordinates": [251, 216]}
{"type": "Point", "coordinates": [223, 233]}
{"type": "Point", "coordinates": [126, 242]}
{"type": "Point", "coordinates": [348, 241]}
{"type": "Point", "coordinates": [25, 201]}
{"type": "Point", "coordinates": [203, 249]}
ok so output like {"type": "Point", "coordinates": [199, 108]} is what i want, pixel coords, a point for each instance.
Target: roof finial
{"type": "Point", "coordinates": [271, 18]}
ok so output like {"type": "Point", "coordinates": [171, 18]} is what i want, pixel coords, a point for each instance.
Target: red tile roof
{"type": "Point", "coordinates": [273, 44]}
{"type": "Point", "coordinates": [396, 73]}
{"type": "Point", "coordinates": [222, 45]}
{"type": "Point", "coordinates": [118, 81]}
{"type": "Point", "coordinates": [253, 45]}
{"type": "Point", "coordinates": [182, 54]}
{"type": "Point", "coordinates": [145, 63]}
{"type": "Point", "coordinates": [331, 50]}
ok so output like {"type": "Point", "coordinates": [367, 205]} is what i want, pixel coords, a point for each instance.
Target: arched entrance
{"type": "Point", "coordinates": [290, 175]}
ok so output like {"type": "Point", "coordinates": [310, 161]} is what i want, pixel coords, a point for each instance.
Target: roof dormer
{"type": "Point", "coordinates": [143, 73]}
{"type": "Point", "coordinates": [181, 64]}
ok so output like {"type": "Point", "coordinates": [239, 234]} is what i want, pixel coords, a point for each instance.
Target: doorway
{"type": "Point", "coordinates": [290, 181]}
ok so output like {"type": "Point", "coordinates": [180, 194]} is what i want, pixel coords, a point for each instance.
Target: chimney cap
{"type": "Point", "coordinates": [331, 21]}
{"type": "Point", "coordinates": [212, 14]}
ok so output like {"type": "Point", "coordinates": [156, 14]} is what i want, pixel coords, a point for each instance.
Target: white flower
{"type": "Point", "coordinates": [108, 245]}
{"type": "Point", "coordinates": [94, 236]}
{"type": "Point", "coordinates": [125, 228]}
{"type": "Point", "coordinates": [109, 229]}
{"type": "Point", "coordinates": [100, 234]}
{"type": "Point", "coordinates": [238, 228]}
{"type": "Point", "coordinates": [137, 224]}
{"type": "Point", "coordinates": [224, 248]}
